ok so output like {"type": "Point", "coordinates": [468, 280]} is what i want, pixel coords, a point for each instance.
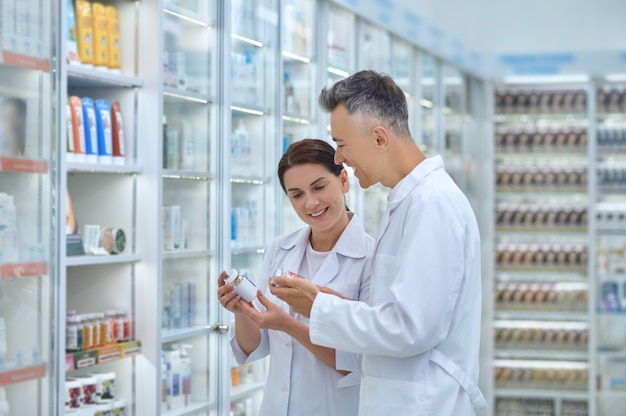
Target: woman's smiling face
{"type": "Point", "coordinates": [316, 194]}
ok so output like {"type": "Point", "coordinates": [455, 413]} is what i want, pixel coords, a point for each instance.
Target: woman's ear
{"type": "Point", "coordinates": [344, 180]}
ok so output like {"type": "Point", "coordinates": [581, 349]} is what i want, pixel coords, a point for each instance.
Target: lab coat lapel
{"type": "Point", "coordinates": [328, 270]}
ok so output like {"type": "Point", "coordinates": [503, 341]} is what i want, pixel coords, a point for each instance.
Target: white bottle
{"type": "Point", "coordinates": [185, 376]}
{"type": "Point", "coordinates": [186, 160]}
{"type": "Point", "coordinates": [244, 287]}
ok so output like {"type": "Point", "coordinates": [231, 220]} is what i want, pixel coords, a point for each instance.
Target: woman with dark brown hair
{"type": "Point", "coordinates": [304, 378]}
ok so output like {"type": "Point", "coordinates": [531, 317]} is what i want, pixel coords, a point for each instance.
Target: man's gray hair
{"type": "Point", "coordinates": [372, 94]}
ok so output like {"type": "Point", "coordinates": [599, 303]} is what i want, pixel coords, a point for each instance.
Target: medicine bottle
{"type": "Point", "coordinates": [111, 318]}
{"type": "Point", "coordinates": [87, 343]}
{"type": "Point", "coordinates": [123, 326]}
{"type": "Point", "coordinates": [95, 334]}
{"type": "Point", "coordinates": [103, 329]}
{"type": "Point", "coordinates": [74, 334]}
{"type": "Point", "coordinates": [244, 287]}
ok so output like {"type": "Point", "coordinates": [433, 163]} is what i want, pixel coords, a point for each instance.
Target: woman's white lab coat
{"type": "Point", "coordinates": [298, 383]}
{"type": "Point", "coordinates": [420, 330]}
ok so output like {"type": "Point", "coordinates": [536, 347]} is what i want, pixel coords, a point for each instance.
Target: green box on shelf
{"type": "Point", "coordinates": [85, 359]}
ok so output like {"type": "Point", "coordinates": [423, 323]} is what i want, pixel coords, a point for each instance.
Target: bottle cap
{"type": "Point", "coordinates": [232, 275]}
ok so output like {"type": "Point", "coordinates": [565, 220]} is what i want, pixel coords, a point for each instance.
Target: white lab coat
{"type": "Point", "coordinates": [298, 383]}
{"type": "Point", "coordinates": [420, 330]}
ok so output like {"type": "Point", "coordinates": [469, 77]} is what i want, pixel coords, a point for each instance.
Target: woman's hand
{"type": "Point", "coordinates": [228, 296]}
{"type": "Point", "coordinates": [274, 316]}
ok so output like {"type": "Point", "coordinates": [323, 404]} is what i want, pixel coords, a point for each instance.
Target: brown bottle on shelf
{"type": "Point", "coordinates": [523, 141]}
{"type": "Point", "coordinates": [537, 141]}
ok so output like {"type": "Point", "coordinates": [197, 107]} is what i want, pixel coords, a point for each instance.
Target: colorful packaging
{"type": "Point", "coordinates": [91, 130]}
{"type": "Point", "coordinates": [105, 139]}
{"type": "Point", "coordinates": [84, 25]}
{"type": "Point", "coordinates": [119, 141]}
{"type": "Point", "coordinates": [71, 41]}
{"type": "Point", "coordinates": [113, 32]}
{"type": "Point", "coordinates": [69, 133]}
{"type": "Point", "coordinates": [78, 129]}
{"type": "Point", "coordinates": [100, 35]}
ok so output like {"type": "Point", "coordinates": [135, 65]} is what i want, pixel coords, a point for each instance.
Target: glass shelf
{"type": "Point", "coordinates": [244, 390]}
{"type": "Point", "coordinates": [187, 254]}
{"type": "Point", "coordinates": [83, 76]}
{"type": "Point", "coordinates": [99, 260]}
{"type": "Point", "coordinates": [192, 409]}
{"type": "Point", "coordinates": [74, 167]}
{"type": "Point", "coordinates": [173, 335]}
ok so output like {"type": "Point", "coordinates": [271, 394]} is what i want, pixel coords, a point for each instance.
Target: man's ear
{"type": "Point", "coordinates": [382, 137]}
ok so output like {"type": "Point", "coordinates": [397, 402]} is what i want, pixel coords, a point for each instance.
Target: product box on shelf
{"type": "Point", "coordinates": [544, 296]}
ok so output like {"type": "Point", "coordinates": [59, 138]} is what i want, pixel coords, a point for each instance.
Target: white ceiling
{"type": "Point", "coordinates": [528, 26]}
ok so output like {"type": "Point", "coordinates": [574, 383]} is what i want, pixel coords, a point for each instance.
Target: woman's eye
{"type": "Point", "coordinates": [296, 196]}
{"type": "Point", "coordinates": [320, 188]}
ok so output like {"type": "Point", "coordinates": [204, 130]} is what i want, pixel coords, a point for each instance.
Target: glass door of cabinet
{"type": "Point", "coordinates": [189, 208]}
{"type": "Point", "coordinates": [28, 288]}
{"type": "Point", "coordinates": [454, 126]}
{"type": "Point", "coordinates": [255, 116]}
{"type": "Point", "coordinates": [299, 105]}
{"type": "Point", "coordinates": [429, 80]}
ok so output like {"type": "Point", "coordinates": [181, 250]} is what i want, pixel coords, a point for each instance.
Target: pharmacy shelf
{"type": "Point", "coordinates": [97, 260]}
{"type": "Point", "coordinates": [612, 313]}
{"type": "Point", "coordinates": [187, 15]}
{"type": "Point", "coordinates": [187, 174]}
{"type": "Point", "coordinates": [249, 180]}
{"type": "Point", "coordinates": [244, 390]}
{"type": "Point", "coordinates": [295, 57]}
{"type": "Point", "coordinates": [85, 76]}
{"type": "Point", "coordinates": [541, 354]}
{"type": "Point", "coordinates": [192, 409]}
{"type": "Point", "coordinates": [8, 164]}
{"type": "Point", "coordinates": [248, 250]}
{"type": "Point", "coordinates": [543, 234]}
{"type": "Point", "coordinates": [615, 231]}
{"type": "Point", "coordinates": [78, 167]}
{"type": "Point", "coordinates": [612, 354]}
{"type": "Point", "coordinates": [173, 335]}
{"type": "Point", "coordinates": [186, 95]}
{"type": "Point", "coordinates": [554, 119]}
{"type": "Point", "coordinates": [541, 394]}
{"type": "Point", "coordinates": [337, 71]}
{"type": "Point", "coordinates": [248, 109]}
{"type": "Point", "coordinates": [540, 277]}
{"type": "Point", "coordinates": [21, 270]}
{"type": "Point", "coordinates": [10, 58]}
{"type": "Point", "coordinates": [102, 355]}
{"type": "Point", "coordinates": [297, 119]}
{"type": "Point", "coordinates": [20, 375]}
{"type": "Point", "coordinates": [611, 394]}
{"type": "Point", "coordinates": [187, 254]}
{"type": "Point", "coordinates": [539, 315]}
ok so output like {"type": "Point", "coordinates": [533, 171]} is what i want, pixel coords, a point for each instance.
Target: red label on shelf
{"type": "Point", "coordinates": [22, 374]}
{"type": "Point", "coordinates": [23, 270]}
{"type": "Point", "coordinates": [23, 165]}
{"type": "Point", "coordinates": [25, 61]}
{"type": "Point", "coordinates": [108, 354]}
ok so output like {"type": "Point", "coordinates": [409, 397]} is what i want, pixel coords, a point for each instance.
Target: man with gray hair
{"type": "Point", "coordinates": [419, 332]}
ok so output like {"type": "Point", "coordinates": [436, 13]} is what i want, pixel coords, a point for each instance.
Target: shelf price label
{"type": "Point", "coordinates": [22, 374]}
{"type": "Point", "coordinates": [85, 359]}
{"type": "Point", "coordinates": [25, 61]}
{"type": "Point", "coordinates": [22, 270]}
{"type": "Point", "coordinates": [131, 348]}
{"type": "Point", "coordinates": [10, 164]}
{"type": "Point", "coordinates": [108, 354]}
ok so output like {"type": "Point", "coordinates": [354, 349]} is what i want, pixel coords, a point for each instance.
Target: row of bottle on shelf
{"type": "Point", "coordinates": [18, 359]}
{"type": "Point", "coordinates": [541, 257]}
{"type": "Point", "coordinates": [99, 329]}
{"type": "Point", "coordinates": [541, 337]}
{"type": "Point", "coordinates": [175, 229]}
{"type": "Point", "coordinates": [612, 178]}
{"type": "Point", "coordinates": [611, 99]}
{"type": "Point", "coordinates": [247, 79]}
{"type": "Point", "coordinates": [21, 27]}
{"type": "Point", "coordinates": [612, 259]}
{"type": "Point", "coordinates": [178, 144]}
{"type": "Point", "coordinates": [612, 138]}
{"type": "Point", "coordinates": [541, 378]}
{"type": "Point", "coordinates": [524, 101]}
{"type": "Point", "coordinates": [244, 374]}
{"type": "Point", "coordinates": [540, 178]}
{"type": "Point", "coordinates": [175, 73]}
{"type": "Point", "coordinates": [176, 373]}
{"type": "Point", "coordinates": [242, 407]}
{"type": "Point", "coordinates": [179, 306]}
{"type": "Point", "coordinates": [538, 407]}
{"type": "Point", "coordinates": [12, 248]}
{"type": "Point", "coordinates": [245, 224]}
{"type": "Point", "coordinates": [540, 140]}
{"type": "Point", "coordinates": [541, 296]}
{"type": "Point", "coordinates": [540, 217]}
{"type": "Point", "coordinates": [93, 34]}
{"type": "Point", "coordinates": [93, 394]}
{"type": "Point", "coordinates": [95, 131]}
{"type": "Point", "coordinates": [613, 296]}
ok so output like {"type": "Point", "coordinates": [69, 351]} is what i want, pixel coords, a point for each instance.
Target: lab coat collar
{"type": "Point", "coordinates": [350, 244]}
{"type": "Point", "coordinates": [410, 181]}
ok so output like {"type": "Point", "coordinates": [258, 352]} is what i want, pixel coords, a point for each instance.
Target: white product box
{"type": "Point", "coordinates": [171, 228]}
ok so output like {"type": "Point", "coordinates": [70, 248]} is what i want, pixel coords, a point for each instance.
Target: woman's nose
{"type": "Point", "coordinates": [311, 202]}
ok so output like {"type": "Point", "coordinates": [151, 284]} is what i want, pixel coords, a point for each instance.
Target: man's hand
{"type": "Point", "coordinates": [298, 293]}
{"type": "Point", "coordinates": [329, 291]}
{"type": "Point", "coordinates": [273, 318]}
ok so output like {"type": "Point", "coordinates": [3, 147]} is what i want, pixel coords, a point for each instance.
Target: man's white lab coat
{"type": "Point", "coordinates": [299, 384]}
{"type": "Point", "coordinates": [419, 332]}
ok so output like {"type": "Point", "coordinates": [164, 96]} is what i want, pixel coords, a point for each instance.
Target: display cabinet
{"type": "Point", "coordinates": [256, 100]}
{"type": "Point", "coordinates": [543, 253]}
{"type": "Point", "coordinates": [28, 201]}
{"type": "Point", "coordinates": [300, 86]}
{"type": "Point", "coordinates": [190, 201]}
{"type": "Point", "coordinates": [427, 135]}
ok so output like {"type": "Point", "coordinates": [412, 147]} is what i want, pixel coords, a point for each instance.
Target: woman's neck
{"type": "Point", "coordinates": [326, 240]}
